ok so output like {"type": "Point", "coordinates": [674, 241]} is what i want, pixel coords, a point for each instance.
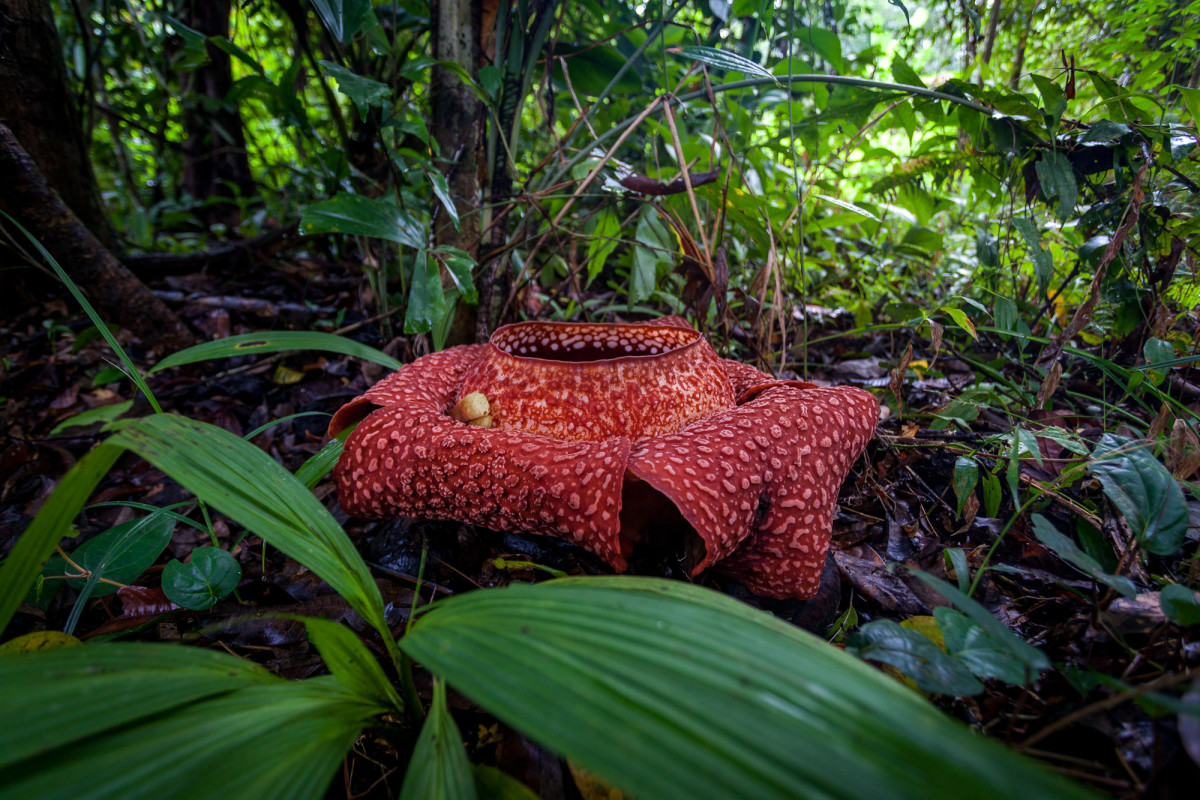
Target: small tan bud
{"type": "Point", "coordinates": [473, 409]}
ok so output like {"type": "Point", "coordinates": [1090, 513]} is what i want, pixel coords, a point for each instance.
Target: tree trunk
{"type": "Point", "coordinates": [989, 40]}
{"type": "Point", "coordinates": [36, 103]}
{"type": "Point", "coordinates": [215, 162]}
{"type": "Point", "coordinates": [457, 125]}
{"type": "Point", "coordinates": [116, 293]}
{"type": "Point", "coordinates": [1019, 59]}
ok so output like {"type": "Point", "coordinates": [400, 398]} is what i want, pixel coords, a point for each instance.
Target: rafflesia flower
{"type": "Point", "coordinates": [598, 433]}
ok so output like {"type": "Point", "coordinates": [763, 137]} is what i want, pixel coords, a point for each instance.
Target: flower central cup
{"type": "Point", "coordinates": [594, 381]}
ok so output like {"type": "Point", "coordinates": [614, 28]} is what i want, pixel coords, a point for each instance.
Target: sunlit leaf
{"type": "Point", "coordinates": [726, 60]}
{"type": "Point", "coordinates": [848, 206]}
{"type": "Point", "coordinates": [362, 216]}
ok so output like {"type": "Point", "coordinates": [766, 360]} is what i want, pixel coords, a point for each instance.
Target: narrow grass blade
{"type": "Point", "coordinates": [24, 563]}
{"type": "Point", "coordinates": [276, 342]}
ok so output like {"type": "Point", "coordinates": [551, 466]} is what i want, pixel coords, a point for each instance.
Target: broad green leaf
{"type": "Point", "coordinates": [351, 662]}
{"type": "Point", "coordinates": [604, 241]}
{"type": "Point", "coordinates": [460, 265]}
{"type": "Point", "coordinates": [975, 649]}
{"type": "Point", "coordinates": [1180, 605]}
{"type": "Point", "coordinates": [915, 655]}
{"type": "Point", "coordinates": [438, 769]}
{"type": "Point", "coordinates": [122, 553]}
{"type": "Point", "coordinates": [442, 190]}
{"type": "Point", "coordinates": [652, 250]}
{"type": "Point", "coordinates": [848, 206]}
{"type": "Point", "coordinates": [426, 299]}
{"type": "Point", "coordinates": [342, 18]}
{"type": "Point", "coordinates": [1058, 180]}
{"type": "Point", "coordinates": [668, 690]}
{"type": "Point", "coordinates": [1043, 262]}
{"type": "Point", "coordinates": [101, 414]}
{"type": "Point", "coordinates": [276, 342]}
{"type": "Point", "coordinates": [363, 216]}
{"type": "Point", "coordinates": [956, 558]}
{"type": "Point", "coordinates": [726, 60]}
{"type": "Point", "coordinates": [823, 43]}
{"type": "Point", "coordinates": [966, 477]}
{"type": "Point", "coordinates": [1141, 488]}
{"type": "Point", "coordinates": [1069, 552]}
{"type": "Point", "coordinates": [199, 583]}
{"type": "Point", "coordinates": [23, 564]}
{"type": "Point", "coordinates": [244, 483]}
{"type": "Point", "coordinates": [105, 686]}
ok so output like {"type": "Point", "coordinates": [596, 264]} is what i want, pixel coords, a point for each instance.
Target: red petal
{"type": "Point", "coordinates": [759, 482]}
{"type": "Point", "coordinates": [413, 461]}
{"type": "Point", "coordinates": [431, 381]}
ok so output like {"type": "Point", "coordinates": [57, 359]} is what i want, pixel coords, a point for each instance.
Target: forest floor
{"type": "Point", "coordinates": [1101, 714]}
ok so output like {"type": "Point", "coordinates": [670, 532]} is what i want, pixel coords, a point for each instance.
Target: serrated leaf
{"type": "Point", "coordinates": [362, 216]}
{"type": "Point", "coordinates": [1143, 491]}
{"type": "Point", "coordinates": [92, 415]}
{"type": "Point", "coordinates": [726, 60]}
{"type": "Point", "coordinates": [966, 477]}
{"type": "Point", "coordinates": [276, 342]}
{"type": "Point", "coordinates": [198, 584]}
